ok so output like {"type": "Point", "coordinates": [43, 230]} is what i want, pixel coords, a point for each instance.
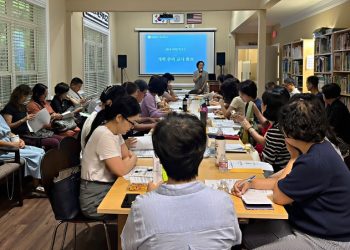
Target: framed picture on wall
{"type": "Point", "coordinates": [157, 20]}
{"type": "Point", "coordinates": [178, 18]}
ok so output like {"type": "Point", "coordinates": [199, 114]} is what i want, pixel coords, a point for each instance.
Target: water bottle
{"type": "Point", "coordinates": [203, 114]}
{"type": "Point", "coordinates": [223, 163]}
{"type": "Point", "coordinates": [184, 104]}
{"type": "Point", "coordinates": [219, 145]}
{"type": "Point", "coordinates": [157, 170]}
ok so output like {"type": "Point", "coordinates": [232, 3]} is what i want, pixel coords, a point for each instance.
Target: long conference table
{"type": "Point", "coordinates": [111, 204]}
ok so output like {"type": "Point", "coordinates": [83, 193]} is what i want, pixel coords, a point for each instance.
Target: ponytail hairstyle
{"type": "Point", "coordinates": [126, 106]}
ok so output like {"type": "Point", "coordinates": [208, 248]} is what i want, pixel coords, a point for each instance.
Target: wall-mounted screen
{"type": "Point", "coordinates": [175, 52]}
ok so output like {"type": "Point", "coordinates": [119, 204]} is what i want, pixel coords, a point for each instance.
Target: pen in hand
{"type": "Point", "coordinates": [250, 179]}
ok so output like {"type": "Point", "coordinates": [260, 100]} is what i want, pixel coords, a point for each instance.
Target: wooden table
{"type": "Point", "coordinates": [111, 204]}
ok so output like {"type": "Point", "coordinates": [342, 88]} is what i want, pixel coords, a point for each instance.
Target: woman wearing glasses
{"type": "Point", "coordinates": [105, 155]}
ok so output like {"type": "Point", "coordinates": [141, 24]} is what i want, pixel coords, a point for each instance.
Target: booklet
{"type": "Point", "coordinates": [257, 199]}
{"type": "Point", "coordinates": [41, 119]}
{"type": "Point", "coordinates": [226, 131]}
{"type": "Point", "coordinates": [249, 165]}
{"type": "Point", "coordinates": [143, 143]}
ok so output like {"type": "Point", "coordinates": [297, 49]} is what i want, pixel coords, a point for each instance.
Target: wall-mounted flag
{"type": "Point", "coordinates": [194, 18]}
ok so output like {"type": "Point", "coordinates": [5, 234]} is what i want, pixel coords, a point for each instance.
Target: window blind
{"type": "Point", "coordinates": [23, 46]}
{"type": "Point", "coordinates": [96, 61]}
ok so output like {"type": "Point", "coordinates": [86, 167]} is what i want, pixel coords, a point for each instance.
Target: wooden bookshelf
{"type": "Point", "coordinates": [294, 61]}
{"type": "Point", "coordinates": [332, 61]}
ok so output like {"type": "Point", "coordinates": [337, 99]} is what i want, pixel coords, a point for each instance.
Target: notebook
{"type": "Point", "coordinates": [255, 199]}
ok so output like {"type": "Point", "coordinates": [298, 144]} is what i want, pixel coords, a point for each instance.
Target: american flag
{"type": "Point", "coordinates": [194, 18]}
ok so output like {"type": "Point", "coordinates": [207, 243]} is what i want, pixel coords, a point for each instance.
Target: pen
{"type": "Point", "coordinates": [250, 179]}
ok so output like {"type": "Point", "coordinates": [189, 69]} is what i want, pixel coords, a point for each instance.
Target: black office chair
{"type": "Point", "coordinates": [52, 163]}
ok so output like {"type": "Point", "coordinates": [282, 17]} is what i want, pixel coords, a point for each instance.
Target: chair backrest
{"type": "Point", "coordinates": [71, 147]}
{"type": "Point", "coordinates": [52, 163]}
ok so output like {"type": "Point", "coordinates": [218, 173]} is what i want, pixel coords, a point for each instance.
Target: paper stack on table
{"type": "Point", "coordinates": [226, 131]}
{"type": "Point", "coordinates": [226, 124]}
{"type": "Point", "coordinates": [41, 119]}
{"type": "Point", "coordinates": [235, 148]}
{"type": "Point", "coordinates": [141, 175]}
{"type": "Point", "coordinates": [221, 184]}
{"type": "Point", "coordinates": [257, 199]}
{"type": "Point", "coordinates": [249, 165]}
{"type": "Point", "coordinates": [143, 147]}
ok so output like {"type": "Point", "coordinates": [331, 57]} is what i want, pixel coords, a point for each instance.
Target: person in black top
{"type": "Point", "coordinates": [338, 117]}
{"type": "Point", "coordinates": [314, 187]}
{"type": "Point", "coordinates": [312, 86]}
{"type": "Point", "coordinates": [62, 103]}
{"type": "Point", "coordinates": [15, 115]}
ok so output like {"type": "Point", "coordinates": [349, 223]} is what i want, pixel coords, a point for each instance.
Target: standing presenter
{"type": "Point", "coordinates": [200, 78]}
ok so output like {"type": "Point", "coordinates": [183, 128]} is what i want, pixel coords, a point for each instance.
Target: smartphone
{"type": "Point", "coordinates": [128, 200]}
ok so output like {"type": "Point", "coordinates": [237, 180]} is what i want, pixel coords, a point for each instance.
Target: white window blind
{"type": "Point", "coordinates": [23, 46]}
{"type": "Point", "coordinates": [96, 61]}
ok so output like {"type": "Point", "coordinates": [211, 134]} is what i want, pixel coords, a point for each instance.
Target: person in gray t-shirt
{"type": "Point", "coordinates": [200, 78]}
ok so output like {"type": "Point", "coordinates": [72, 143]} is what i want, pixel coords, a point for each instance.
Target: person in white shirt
{"type": "Point", "coordinates": [106, 156]}
{"type": "Point", "coordinates": [289, 84]}
{"type": "Point", "coordinates": [73, 93]}
{"type": "Point", "coordinates": [182, 213]}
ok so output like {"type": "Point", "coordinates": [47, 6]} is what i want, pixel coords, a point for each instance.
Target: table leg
{"type": "Point", "coordinates": [121, 222]}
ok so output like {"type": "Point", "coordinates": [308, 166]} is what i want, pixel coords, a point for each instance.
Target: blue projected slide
{"type": "Point", "coordinates": [175, 52]}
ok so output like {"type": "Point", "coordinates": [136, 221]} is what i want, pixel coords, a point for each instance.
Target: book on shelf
{"type": "Point", "coordinates": [323, 45]}
{"type": "Point", "coordinates": [323, 64]}
{"type": "Point", "coordinates": [343, 82]}
{"type": "Point", "coordinates": [346, 101]}
{"type": "Point", "coordinates": [297, 52]}
{"type": "Point", "coordinates": [287, 50]}
{"type": "Point", "coordinates": [297, 67]}
{"type": "Point", "coordinates": [342, 41]}
{"type": "Point", "coordinates": [323, 80]}
{"type": "Point", "coordinates": [342, 61]}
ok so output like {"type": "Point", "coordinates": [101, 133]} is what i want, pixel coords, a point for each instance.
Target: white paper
{"type": "Point", "coordinates": [220, 123]}
{"type": "Point", "coordinates": [67, 114]}
{"type": "Point", "coordinates": [141, 175]}
{"type": "Point", "coordinates": [144, 153]}
{"type": "Point", "coordinates": [215, 184]}
{"type": "Point", "coordinates": [310, 62]}
{"type": "Point", "coordinates": [234, 148]}
{"type": "Point", "coordinates": [226, 131]}
{"type": "Point", "coordinates": [212, 108]}
{"type": "Point", "coordinates": [249, 165]}
{"type": "Point", "coordinates": [41, 119]}
{"type": "Point", "coordinates": [257, 197]}
{"type": "Point", "coordinates": [143, 143]}
{"type": "Point", "coordinates": [175, 105]}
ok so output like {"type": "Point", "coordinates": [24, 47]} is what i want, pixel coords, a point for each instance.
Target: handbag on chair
{"type": "Point", "coordinates": [61, 126]}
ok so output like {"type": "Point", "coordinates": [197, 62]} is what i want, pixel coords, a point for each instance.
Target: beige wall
{"type": "Point", "coordinates": [336, 17]}
{"type": "Point", "coordinates": [243, 39]}
{"type": "Point", "coordinates": [124, 40]}
{"type": "Point", "coordinates": [58, 43]}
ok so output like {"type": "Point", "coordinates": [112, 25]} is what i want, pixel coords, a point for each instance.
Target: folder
{"type": "Point", "coordinates": [247, 170]}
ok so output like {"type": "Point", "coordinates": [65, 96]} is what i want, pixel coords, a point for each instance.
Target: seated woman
{"type": "Point", "coordinates": [31, 155]}
{"type": "Point", "coordinates": [15, 114]}
{"type": "Point", "coordinates": [182, 197]}
{"type": "Point", "coordinates": [109, 94]}
{"type": "Point", "coordinates": [169, 95]}
{"type": "Point", "coordinates": [62, 103]}
{"type": "Point", "coordinates": [144, 124]}
{"type": "Point", "coordinates": [106, 157]}
{"type": "Point", "coordinates": [149, 108]}
{"type": "Point", "coordinates": [229, 90]}
{"type": "Point", "coordinates": [314, 187]}
{"type": "Point", "coordinates": [274, 148]}
{"type": "Point", "coordinates": [38, 102]}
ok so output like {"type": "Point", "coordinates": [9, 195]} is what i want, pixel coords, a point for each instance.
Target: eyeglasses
{"type": "Point", "coordinates": [132, 123]}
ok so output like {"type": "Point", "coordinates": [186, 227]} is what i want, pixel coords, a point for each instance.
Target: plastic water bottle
{"type": "Point", "coordinates": [203, 114]}
{"type": "Point", "coordinates": [219, 145]}
{"type": "Point", "coordinates": [184, 104]}
{"type": "Point", "coordinates": [223, 163]}
{"type": "Point", "coordinates": [157, 170]}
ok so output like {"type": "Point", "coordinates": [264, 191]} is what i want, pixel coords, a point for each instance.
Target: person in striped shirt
{"type": "Point", "coordinates": [275, 151]}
